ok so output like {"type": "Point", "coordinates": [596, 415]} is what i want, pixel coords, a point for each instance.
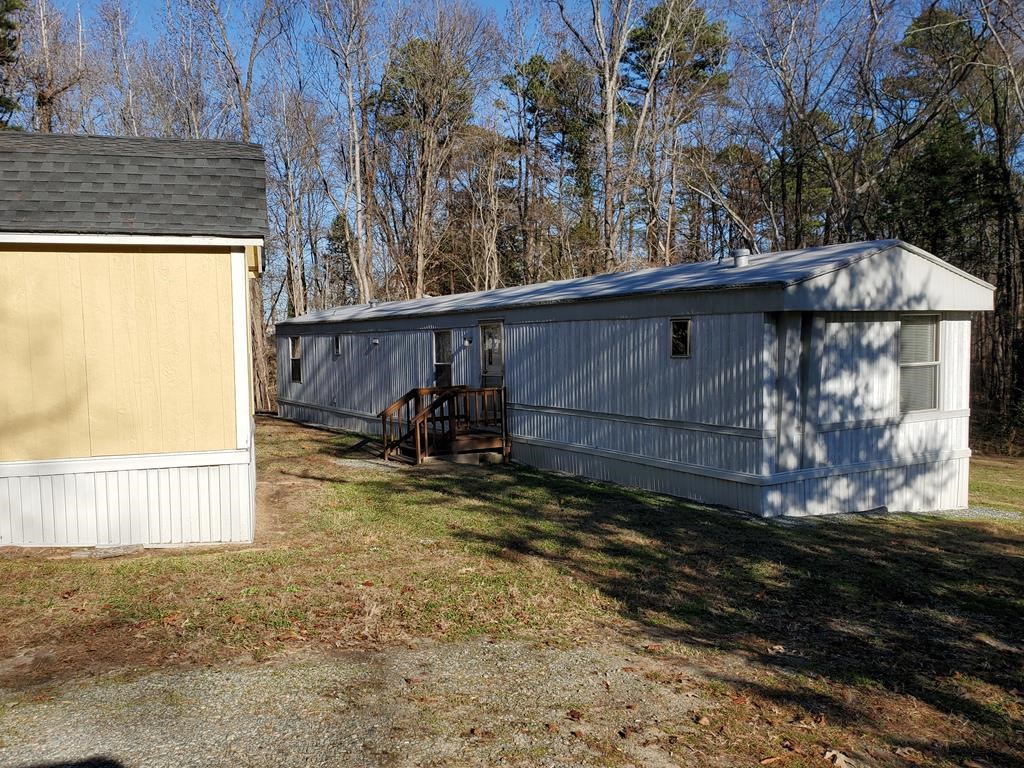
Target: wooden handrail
{"type": "Point", "coordinates": [447, 411]}
{"type": "Point", "coordinates": [398, 420]}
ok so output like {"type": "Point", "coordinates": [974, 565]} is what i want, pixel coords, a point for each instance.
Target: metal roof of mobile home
{"type": "Point", "coordinates": [115, 185]}
{"type": "Point", "coordinates": [778, 269]}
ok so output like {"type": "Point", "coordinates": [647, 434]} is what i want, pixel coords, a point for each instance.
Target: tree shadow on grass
{"type": "Point", "coordinates": [913, 606]}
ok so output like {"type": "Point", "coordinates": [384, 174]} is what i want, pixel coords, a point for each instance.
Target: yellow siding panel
{"type": "Point", "coordinates": [72, 343]}
{"type": "Point", "coordinates": [99, 356]}
{"type": "Point", "coordinates": [50, 407]}
{"type": "Point", "coordinates": [206, 330]}
{"type": "Point", "coordinates": [14, 340]}
{"type": "Point", "coordinates": [114, 352]}
{"type": "Point", "coordinates": [126, 343]}
{"type": "Point", "coordinates": [175, 361]}
{"type": "Point", "coordinates": [148, 356]}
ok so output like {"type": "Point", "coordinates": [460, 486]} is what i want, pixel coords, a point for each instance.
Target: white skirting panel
{"type": "Point", "coordinates": [157, 500]}
{"type": "Point", "coordinates": [922, 487]}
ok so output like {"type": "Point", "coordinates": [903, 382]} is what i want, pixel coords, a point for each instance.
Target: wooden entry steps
{"type": "Point", "coordinates": [445, 421]}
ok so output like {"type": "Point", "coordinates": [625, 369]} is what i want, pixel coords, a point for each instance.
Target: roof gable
{"type": "Point", "coordinates": [131, 186]}
{"type": "Point", "coordinates": [898, 277]}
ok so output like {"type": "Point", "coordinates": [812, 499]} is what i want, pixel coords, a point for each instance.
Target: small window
{"type": "Point", "coordinates": [919, 363]}
{"type": "Point", "coordinates": [337, 346]}
{"type": "Point", "coordinates": [681, 337]}
{"type": "Point", "coordinates": [296, 348]}
{"type": "Point", "coordinates": [443, 358]}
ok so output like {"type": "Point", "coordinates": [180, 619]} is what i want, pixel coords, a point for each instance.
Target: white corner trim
{"type": "Point", "coordinates": [44, 238]}
{"type": "Point", "coordinates": [240, 340]}
{"type": "Point", "coordinates": [123, 463]}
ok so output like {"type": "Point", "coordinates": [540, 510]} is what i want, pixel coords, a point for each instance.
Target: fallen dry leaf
{"type": "Point", "coordinates": [838, 759]}
{"type": "Point", "coordinates": [574, 714]}
{"type": "Point", "coordinates": [787, 744]}
{"type": "Point", "coordinates": [909, 754]}
{"type": "Point", "coordinates": [770, 760]}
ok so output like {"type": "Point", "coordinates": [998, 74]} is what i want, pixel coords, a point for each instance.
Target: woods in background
{"type": "Point", "coordinates": [434, 148]}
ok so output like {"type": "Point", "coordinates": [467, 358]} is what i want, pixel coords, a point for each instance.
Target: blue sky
{"type": "Point", "coordinates": [147, 12]}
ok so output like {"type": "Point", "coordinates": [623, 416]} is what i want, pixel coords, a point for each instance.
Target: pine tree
{"type": "Point", "coordinates": [8, 55]}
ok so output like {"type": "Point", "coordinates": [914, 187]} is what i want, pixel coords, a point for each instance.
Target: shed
{"type": "Point", "coordinates": [125, 404]}
{"type": "Point", "coordinates": [830, 379]}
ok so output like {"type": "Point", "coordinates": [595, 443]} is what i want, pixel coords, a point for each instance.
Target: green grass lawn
{"type": "Point", "coordinates": [894, 630]}
{"type": "Point", "coordinates": [998, 482]}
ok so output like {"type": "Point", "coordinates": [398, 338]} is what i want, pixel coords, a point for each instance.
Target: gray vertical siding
{"type": "Point", "coordinates": [356, 385]}
{"type": "Point", "coordinates": [777, 413]}
{"type": "Point", "coordinates": [624, 367]}
{"type": "Point", "coordinates": [612, 385]}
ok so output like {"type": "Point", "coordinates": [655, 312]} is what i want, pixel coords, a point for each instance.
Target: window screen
{"type": "Point", "coordinates": [919, 363]}
{"type": "Point", "coordinates": [681, 338]}
{"type": "Point", "coordinates": [296, 348]}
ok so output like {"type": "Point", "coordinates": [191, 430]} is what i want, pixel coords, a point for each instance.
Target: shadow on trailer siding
{"type": "Point", "coordinates": [814, 412]}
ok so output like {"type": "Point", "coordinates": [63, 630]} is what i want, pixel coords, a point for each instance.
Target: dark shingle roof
{"type": "Point", "coordinates": [113, 185]}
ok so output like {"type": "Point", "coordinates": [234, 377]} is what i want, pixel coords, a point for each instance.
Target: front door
{"type": "Point", "coordinates": [492, 350]}
{"type": "Point", "coordinates": [443, 358]}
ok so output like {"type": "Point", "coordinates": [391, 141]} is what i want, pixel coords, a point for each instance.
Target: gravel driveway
{"type": "Point", "coordinates": [475, 703]}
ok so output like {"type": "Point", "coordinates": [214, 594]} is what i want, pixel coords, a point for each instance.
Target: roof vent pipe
{"type": "Point", "coordinates": [373, 303]}
{"type": "Point", "coordinates": [740, 257]}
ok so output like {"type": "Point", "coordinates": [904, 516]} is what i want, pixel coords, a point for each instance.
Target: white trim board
{"type": "Point", "coordinates": [123, 463]}
{"type": "Point", "coordinates": [691, 426]}
{"type": "Point", "coordinates": [895, 421]}
{"type": "Point", "coordinates": [44, 238]}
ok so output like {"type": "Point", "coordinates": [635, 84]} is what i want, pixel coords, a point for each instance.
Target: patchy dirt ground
{"type": "Point", "coordinates": [452, 615]}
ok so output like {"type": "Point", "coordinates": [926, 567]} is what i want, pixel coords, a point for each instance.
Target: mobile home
{"type": "Point", "coordinates": [125, 407]}
{"type": "Point", "coordinates": [822, 380]}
